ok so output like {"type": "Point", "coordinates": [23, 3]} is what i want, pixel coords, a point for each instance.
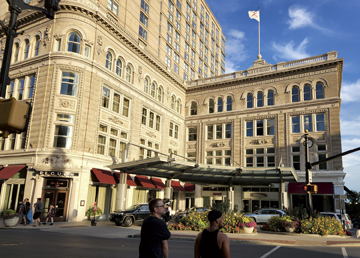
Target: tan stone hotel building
{"type": "Point", "coordinates": [148, 78]}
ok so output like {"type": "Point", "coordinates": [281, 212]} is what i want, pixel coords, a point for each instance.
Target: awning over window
{"type": "Point", "coordinates": [189, 187]}
{"type": "Point", "coordinates": [10, 171]}
{"type": "Point", "coordinates": [144, 181]}
{"type": "Point", "coordinates": [158, 183]}
{"type": "Point", "coordinates": [129, 180]}
{"type": "Point", "coordinates": [323, 188]}
{"type": "Point", "coordinates": [177, 186]}
{"type": "Point", "coordinates": [104, 176]}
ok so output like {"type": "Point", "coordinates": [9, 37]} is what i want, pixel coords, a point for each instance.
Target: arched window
{"type": "Point", "coordinates": [319, 90]}
{"type": "Point", "coordinates": [249, 101]}
{"type": "Point", "coordinates": [295, 97]}
{"type": "Point", "coordinates": [173, 102]}
{"type": "Point", "coordinates": [128, 73]}
{"type": "Point", "coordinates": [228, 104]}
{"type": "Point", "coordinates": [153, 89]}
{"type": "Point", "coordinates": [16, 52]}
{"type": "Point", "coordinates": [307, 92]}
{"type": "Point", "coordinates": [109, 58]}
{"type": "Point", "coordinates": [160, 93]}
{"type": "Point", "coordinates": [193, 109]}
{"type": "Point", "coordinates": [178, 106]}
{"type": "Point", "coordinates": [220, 105]}
{"type": "Point", "coordinates": [270, 98]}
{"type": "Point", "coordinates": [37, 46]}
{"type": "Point", "coordinates": [211, 106]}
{"type": "Point", "coordinates": [26, 49]}
{"type": "Point", "coordinates": [260, 99]}
{"type": "Point", "coordinates": [74, 42]}
{"type": "Point", "coordinates": [146, 85]}
{"type": "Point", "coordinates": [119, 67]}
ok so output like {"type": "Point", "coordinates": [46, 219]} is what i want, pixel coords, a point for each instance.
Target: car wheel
{"type": "Point", "coordinates": [128, 222]}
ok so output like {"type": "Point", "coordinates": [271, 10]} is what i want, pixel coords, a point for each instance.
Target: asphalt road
{"type": "Point", "coordinates": [38, 244]}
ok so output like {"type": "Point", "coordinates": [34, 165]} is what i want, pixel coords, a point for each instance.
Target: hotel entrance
{"type": "Point", "coordinates": [56, 192]}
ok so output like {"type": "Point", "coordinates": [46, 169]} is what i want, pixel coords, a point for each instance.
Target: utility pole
{"type": "Point", "coordinates": [308, 144]}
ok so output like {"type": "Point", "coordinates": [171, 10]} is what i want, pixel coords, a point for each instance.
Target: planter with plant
{"type": "Point", "coordinates": [290, 226]}
{"type": "Point", "coordinates": [248, 227]}
{"type": "Point", "coordinates": [10, 218]}
{"type": "Point", "coordinates": [90, 213]}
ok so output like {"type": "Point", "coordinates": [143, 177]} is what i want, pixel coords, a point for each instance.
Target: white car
{"type": "Point", "coordinates": [263, 215]}
{"type": "Point", "coordinates": [339, 217]}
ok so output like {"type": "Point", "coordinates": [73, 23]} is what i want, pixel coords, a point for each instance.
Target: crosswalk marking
{"type": "Point", "coordinates": [344, 252]}
{"type": "Point", "coordinates": [270, 252]}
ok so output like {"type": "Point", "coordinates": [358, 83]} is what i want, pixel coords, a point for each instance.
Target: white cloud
{"type": "Point", "coordinates": [350, 91]}
{"type": "Point", "coordinates": [300, 17]}
{"type": "Point", "coordinates": [289, 52]}
{"type": "Point", "coordinates": [350, 127]}
{"type": "Point", "coordinates": [235, 50]}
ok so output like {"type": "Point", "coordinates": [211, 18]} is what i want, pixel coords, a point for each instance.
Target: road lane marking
{"type": "Point", "coordinates": [344, 252]}
{"type": "Point", "coordinates": [270, 252]}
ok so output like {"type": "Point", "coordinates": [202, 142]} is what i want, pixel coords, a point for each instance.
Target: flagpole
{"type": "Point", "coordinates": [259, 56]}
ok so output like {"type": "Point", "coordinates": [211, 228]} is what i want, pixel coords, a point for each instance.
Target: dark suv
{"type": "Point", "coordinates": [127, 217]}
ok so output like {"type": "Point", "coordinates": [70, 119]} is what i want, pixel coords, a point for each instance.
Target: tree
{"type": "Point", "coordinates": [353, 205]}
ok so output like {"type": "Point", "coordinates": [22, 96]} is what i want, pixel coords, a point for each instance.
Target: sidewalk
{"type": "Point", "coordinates": [107, 229]}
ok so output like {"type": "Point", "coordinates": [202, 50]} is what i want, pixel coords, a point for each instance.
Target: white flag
{"type": "Point", "coordinates": [254, 15]}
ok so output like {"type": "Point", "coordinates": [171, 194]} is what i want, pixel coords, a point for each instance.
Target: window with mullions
{"type": "Point", "coordinates": [322, 155]}
{"type": "Point", "coordinates": [211, 106]}
{"type": "Point", "coordinates": [260, 99]}
{"type": "Point", "coordinates": [222, 131]}
{"type": "Point", "coordinates": [145, 6]}
{"type": "Point", "coordinates": [174, 130]}
{"type": "Point", "coordinates": [295, 153]}
{"type": "Point", "coordinates": [63, 131]}
{"type": "Point", "coordinates": [142, 32]}
{"type": "Point", "coordinates": [119, 67]}
{"type": "Point", "coordinates": [307, 92]}
{"type": "Point", "coordinates": [150, 119]}
{"type": "Point", "coordinates": [171, 6]}
{"type": "Point", "coordinates": [192, 133]}
{"type": "Point", "coordinates": [37, 46]}
{"type": "Point", "coordinates": [270, 98]}
{"type": "Point", "coordinates": [260, 157]}
{"type": "Point", "coordinates": [143, 19]}
{"type": "Point", "coordinates": [69, 83]}
{"type": "Point", "coordinates": [249, 100]}
{"type": "Point", "coordinates": [109, 60]}
{"type": "Point", "coordinates": [74, 42]}
{"type": "Point", "coordinates": [319, 90]}
{"type": "Point", "coordinates": [26, 49]}
{"type": "Point", "coordinates": [295, 94]}
{"type": "Point", "coordinates": [115, 102]}
{"type": "Point", "coordinates": [228, 104]}
{"type": "Point", "coordinates": [262, 127]}
{"type": "Point", "coordinates": [170, 16]}
{"type": "Point", "coordinates": [305, 122]}
{"type": "Point", "coordinates": [193, 109]}
{"type": "Point", "coordinates": [113, 6]}
{"type": "Point", "coordinates": [178, 15]}
{"type": "Point", "coordinates": [220, 105]}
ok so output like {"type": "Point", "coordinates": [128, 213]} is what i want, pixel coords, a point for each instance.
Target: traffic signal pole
{"type": "Point", "coordinates": [309, 205]}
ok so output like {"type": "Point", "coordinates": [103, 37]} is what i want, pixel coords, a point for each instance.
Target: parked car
{"type": "Point", "coordinates": [263, 215]}
{"type": "Point", "coordinates": [127, 217]}
{"type": "Point", "coordinates": [339, 217]}
{"type": "Point", "coordinates": [180, 214]}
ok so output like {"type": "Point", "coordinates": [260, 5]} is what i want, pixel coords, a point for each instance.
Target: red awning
{"type": "Point", "coordinates": [158, 183]}
{"type": "Point", "coordinates": [129, 180]}
{"type": "Point", "coordinates": [323, 188]}
{"type": "Point", "coordinates": [104, 176]}
{"type": "Point", "coordinates": [177, 186]}
{"type": "Point", "coordinates": [189, 187]}
{"type": "Point", "coordinates": [10, 171]}
{"type": "Point", "coordinates": [144, 181]}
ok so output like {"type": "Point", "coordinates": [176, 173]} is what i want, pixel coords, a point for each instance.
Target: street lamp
{"type": "Point", "coordinates": [308, 143]}
{"type": "Point", "coordinates": [13, 111]}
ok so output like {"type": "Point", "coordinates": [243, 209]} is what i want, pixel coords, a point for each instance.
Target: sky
{"type": "Point", "coordinates": [296, 29]}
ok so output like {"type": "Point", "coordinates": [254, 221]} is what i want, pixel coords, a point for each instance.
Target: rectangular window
{"type": "Point", "coordinates": [295, 121]}
{"type": "Point", "coordinates": [187, 47]}
{"type": "Point", "coordinates": [143, 19]}
{"type": "Point", "coordinates": [260, 161]}
{"type": "Point", "coordinates": [112, 6]}
{"type": "Point", "coordinates": [249, 162]}
{"type": "Point", "coordinates": [170, 16]}
{"type": "Point", "coordinates": [192, 134]}
{"type": "Point", "coordinates": [171, 129]}
{"type": "Point", "coordinates": [168, 50]}
{"type": "Point", "coordinates": [142, 33]}
{"type": "Point", "coordinates": [228, 131]}
{"type": "Point", "coordinates": [144, 115]}
{"type": "Point", "coordinates": [270, 127]}
{"type": "Point", "coordinates": [151, 120]}
{"type": "Point", "coordinates": [157, 128]}
{"type": "Point", "coordinates": [169, 27]}
{"type": "Point", "coordinates": [178, 15]}
{"type": "Point", "coordinates": [177, 24]}
{"type": "Point", "coordinates": [308, 123]}
{"type": "Point", "coordinates": [69, 82]}
{"type": "Point", "coordinates": [126, 105]}
{"type": "Point", "coordinates": [145, 6]}
{"type": "Point", "coordinates": [176, 68]}
{"type": "Point", "coordinates": [177, 47]}
{"type": "Point", "coordinates": [218, 131]}
{"type": "Point", "coordinates": [171, 6]}
{"type": "Point", "coordinates": [210, 133]}
{"type": "Point", "coordinates": [62, 136]}
{"type": "Point", "coordinates": [176, 58]}
{"type": "Point", "coordinates": [271, 161]}
{"type": "Point", "coordinates": [259, 128]}
{"type": "Point", "coordinates": [176, 136]}
{"type": "Point", "coordinates": [105, 97]}
{"type": "Point", "coordinates": [177, 36]}
{"type": "Point", "coordinates": [249, 129]}
{"type": "Point", "coordinates": [296, 162]}
{"type": "Point", "coordinates": [168, 61]}
{"type": "Point", "coordinates": [320, 122]}
{"type": "Point", "coordinates": [21, 88]}
{"type": "Point", "coordinates": [169, 38]}
{"type": "Point", "coordinates": [112, 147]}
{"type": "Point", "coordinates": [321, 157]}
{"type": "Point", "coordinates": [116, 103]}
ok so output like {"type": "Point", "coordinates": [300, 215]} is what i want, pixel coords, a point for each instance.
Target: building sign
{"type": "Point", "coordinates": [58, 173]}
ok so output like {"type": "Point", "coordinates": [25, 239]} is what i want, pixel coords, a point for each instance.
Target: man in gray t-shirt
{"type": "Point", "coordinates": [39, 206]}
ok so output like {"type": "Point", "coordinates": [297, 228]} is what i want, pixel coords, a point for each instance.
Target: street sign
{"type": "Point", "coordinates": [310, 176]}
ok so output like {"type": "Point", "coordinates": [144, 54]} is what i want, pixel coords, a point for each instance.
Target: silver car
{"type": "Point", "coordinates": [263, 215]}
{"type": "Point", "coordinates": [340, 217]}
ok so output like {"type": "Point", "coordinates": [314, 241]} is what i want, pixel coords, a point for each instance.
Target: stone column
{"type": "Point", "coordinates": [160, 194]}
{"type": "Point", "coordinates": [198, 196]}
{"type": "Point", "coordinates": [107, 209]}
{"type": "Point", "coordinates": [181, 201]}
{"type": "Point", "coordinates": [121, 192]}
{"type": "Point", "coordinates": [167, 189]}
{"type": "Point", "coordinates": [2, 196]}
{"type": "Point", "coordinates": [238, 197]}
{"type": "Point", "coordinates": [72, 214]}
{"type": "Point", "coordinates": [281, 195]}
{"type": "Point", "coordinates": [230, 197]}
{"type": "Point", "coordinates": [39, 181]}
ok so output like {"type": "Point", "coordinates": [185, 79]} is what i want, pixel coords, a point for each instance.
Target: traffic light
{"type": "Point", "coordinates": [311, 188]}
{"type": "Point", "coordinates": [13, 116]}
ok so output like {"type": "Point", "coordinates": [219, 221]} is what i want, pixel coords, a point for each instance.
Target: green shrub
{"type": "Point", "coordinates": [9, 214]}
{"type": "Point", "coordinates": [223, 207]}
{"type": "Point", "coordinates": [322, 225]}
{"type": "Point", "coordinates": [90, 211]}
{"type": "Point", "coordinates": [278, 224]}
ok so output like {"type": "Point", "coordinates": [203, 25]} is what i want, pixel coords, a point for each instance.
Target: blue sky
{"type": "Point", "coordinates": [294, 29]}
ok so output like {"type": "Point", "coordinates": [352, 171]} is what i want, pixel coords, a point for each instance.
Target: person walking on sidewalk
{"type": "Point", "coordinates": [154, 233]}
{"type": "Point", "coordinates": [39, 206]}
{"type": "Point", "coordinates": [51, 214]}
{"type": "Point", "coordinates": [211, 243]}
{"type": "Point", "coordinates": [22, 213]}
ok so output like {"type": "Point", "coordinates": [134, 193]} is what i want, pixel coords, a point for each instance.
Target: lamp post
{"type": "Point", "coordinates": [308, 144]}
{"type": "Point", "coordinates": [15, 8]}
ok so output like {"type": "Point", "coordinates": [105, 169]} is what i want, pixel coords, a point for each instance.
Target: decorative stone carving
{"type": "Point", "coordinates": [173, 143]}
{"type": "Point", "coordinates": [259, 141]}
{"type": "Point", "coordinates": [67, 104]}
{"type": "Point", "coordinates": [99, 42]}
{"type": "Point", "coordinates": [57, 161]}
{"type": "Point", "coordinates": [217, 144]}
{"type": "Point", "coordinates": [47, 36]}
{"type": "Point", "coordinates": [151, 134]}
{"type": "Point", "coordinates": [88, 42]}
{"type": "Point", "coordinates": [115, 120]}
{"type": "Point", "coordinates": [140, 73]}
{"type": "Point", "coordinates": [191, 146]}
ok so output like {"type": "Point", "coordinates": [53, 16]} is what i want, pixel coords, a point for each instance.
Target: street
{"type": "Point", "coordinates": [34, 243]}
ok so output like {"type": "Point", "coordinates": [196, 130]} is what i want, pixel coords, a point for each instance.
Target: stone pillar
{"type": "Point", "coordinates": [160, 194]}
{"type": "Point", "coordinates": [167, 189]}
{"type": "Point", "coordinates": [181, 201]}
{"type": "Point", "coordinates": [38, 189]}
{"type": "Point", "coordinates": [230, 197]}
{"type": "Point", "coordinates": [2, 196]}
{"type": "Point", "coordinates": [129, 197]}
{"type": "Point", "coordinates": [238, 197]}
{"type": "Point", "coordinates": [281, 196]}
{"type": "Point", "coordinates": [107, 209]}
{"type": "Point", "coordinates": [72, 214]}
{"type": "Point", "coordinates": [121, 192]}
{"type": "Point", "coordinates": [198, 196]}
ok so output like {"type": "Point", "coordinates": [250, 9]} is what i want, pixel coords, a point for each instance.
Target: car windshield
{"type": "Point", "coordinates": [133, 207]}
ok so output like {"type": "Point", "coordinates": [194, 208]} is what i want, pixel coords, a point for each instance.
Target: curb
{"type": "Point", "coordinates": [302, 234]}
